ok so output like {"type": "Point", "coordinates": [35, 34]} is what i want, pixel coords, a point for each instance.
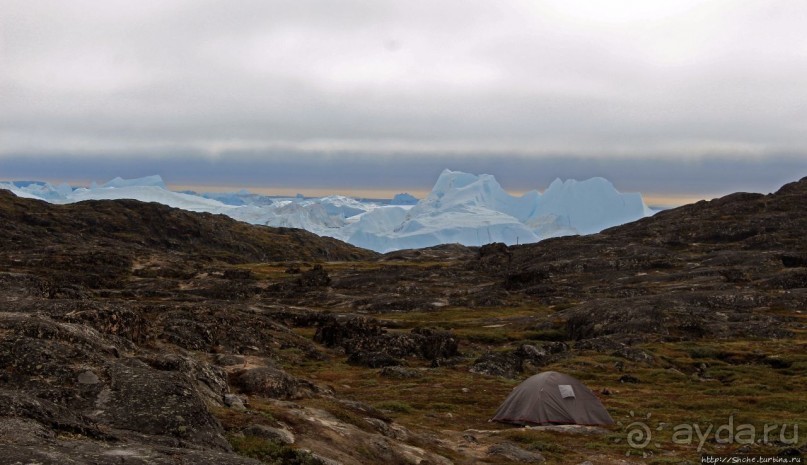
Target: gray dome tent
{"type": "Point", "coordinates": [552, 398]}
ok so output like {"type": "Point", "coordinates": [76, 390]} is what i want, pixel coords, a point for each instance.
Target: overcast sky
{"type": "Point", "coordinates": [680, 96]}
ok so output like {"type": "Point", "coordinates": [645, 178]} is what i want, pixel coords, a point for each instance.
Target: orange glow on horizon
{"type": "Point", "coordinates": [650, 198]}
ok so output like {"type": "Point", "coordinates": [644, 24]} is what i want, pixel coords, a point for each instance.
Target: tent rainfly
{"type": "Point", "coordinates": [552, 398]}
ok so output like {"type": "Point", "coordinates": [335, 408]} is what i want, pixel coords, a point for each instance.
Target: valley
{"type": "Point", "coordinates": [137, 333]}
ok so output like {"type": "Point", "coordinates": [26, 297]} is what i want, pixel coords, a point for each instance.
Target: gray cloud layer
{"type": "Point", "coordinates": [657, 82]}
{"type": "Point", "coordinates": [400, 172]}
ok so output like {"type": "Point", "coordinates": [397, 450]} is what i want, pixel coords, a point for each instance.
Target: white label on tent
{"type": "Point", "coordinates": [566, 391]}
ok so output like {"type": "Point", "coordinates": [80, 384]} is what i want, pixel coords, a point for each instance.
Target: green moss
{"type": "Point", "coordinates": [534, 441]}
{"type": "Point", "coordinates": [394, 406]}
{"type": "Point", "coordinates": [558, 335]}
{"type": "Point", "coordinates": [271, 452]}
{"type": "Point", "coordinates": [442, 407]}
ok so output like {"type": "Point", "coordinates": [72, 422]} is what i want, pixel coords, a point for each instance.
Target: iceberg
{"type": "Point", "coordinates": [589, 206]}
{"type": "Point", "coordinates": [404, 198]}
{"type": "Point", "coordinates": [153, 181]}
{"type": "Point", "coordinates": [462, 208]}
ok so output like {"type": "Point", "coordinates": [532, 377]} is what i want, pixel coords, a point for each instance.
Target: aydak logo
{"type": "Point", "coordinates": [639, 431]}
{"type": "Point", "coordinates": [639, 435]}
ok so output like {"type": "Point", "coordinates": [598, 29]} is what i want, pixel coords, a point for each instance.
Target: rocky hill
{"type": "Point", "coordinates": [711, 269]}
{"type": "Point", "coordinates": [136, 333]}
{"type": "Point", "coordinates": [100, 243]}
{"type": "Point", "coordinates": [137, 227]}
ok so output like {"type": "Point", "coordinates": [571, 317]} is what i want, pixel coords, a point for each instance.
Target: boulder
{"type": "Point", "coordinates": [272, 382]}
{"type": "Point", "coordinates": [373, 359]}
{"type": "Point", "coordinates": [156, 402]}
{"type": "Point", "coordinates": [505, 364]}
{"type": "Point", "coordinates": [514, 453]}
{"type": "Point", "coordinates": [267, 432]}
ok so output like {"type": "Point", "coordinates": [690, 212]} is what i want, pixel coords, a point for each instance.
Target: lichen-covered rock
{"type": "Point", "coordinates": [511, 363]}
{"type": "Point", "coordinates": [272, 382]}
{"type": "Point", "coordinates": [210, 380]}
{"type": "Point", "coordinates": [367, 343]}
{"type": "Point", "coordinates": [225, 329]}
{"type": "Point", "coordinates": [514, 453]}
{"type": "Point", "coordinates": [234, 401]}
{"type": "Point", "coordinates": [315, 277]}
{"type": "Point", "coordinates": [434, 343]}
{"type": "Point", "coordinates": [21, 285]}
{"type": "Point", "coordinates": [494, 257]}
{"type": "Point", "coordinates": [28, 441]}
{"type": "Point", "coordinates": [117, 320]}
{"type": "Point", "coordinates": [335, 331]}
{"type": "Point", "coordinates": [673, 315]}
{"type": "Point", "coordinates": [399, 372]}
{"type": "Point", "coordinates": [373, 359]}
{"type": "Point", "coordinates": [506, 364]}
{"type": "Point", "coordinates": [18, 408]}
{"type": "Point", "coordinates": [267, 432]}
{"type": "Point", "coordinates": [143, 399]}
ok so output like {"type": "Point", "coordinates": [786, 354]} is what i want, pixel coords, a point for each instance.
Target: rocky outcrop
{"type": "Point", "coordinates": [272, 382]}
{"type": "Point", "coordinates": [526, 357]}
{"type": "Point", "coordinates": [367, 343]}
{"type": "Point", "coordinates": [102, 237]}
{"type": "Point", "coordinates": [315, 277]}
{"type": "Point", "coordinates": [674, 316]}
{"type": "Point", "coordinates": [515, 454]}
{"type": "Point", "coordinates": [706, 270]}
{"type": "Point", "coordinates": [80, 382]}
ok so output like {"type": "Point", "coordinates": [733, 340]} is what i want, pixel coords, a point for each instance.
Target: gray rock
{"type": "Point", "coordinates": [23, 432]}
{"type": "Point", "coordinates": [633, 354]}
{"type": "Point", "coordinates": [51, 451]}
{"type": "Point", "coordinates": [368, 344]}
{"type": "Point", "coordinates": [234, 401]}
{"type": "Point", "coordinates": [470, 438]}
{"type": "Point", "coordinates": [506, 364]}
{"type": "Point", "coordinates": [363, 409]}
{"type": "Point", "coordinates": [515, 454]}
{"type": "Point", "coordinates": [326, 460]}
{"type": "Point", "coordinates": [155, 402]}
{"type": "Point", "coordinates": [399, 372]}
{"type": "Point", "coordinates": [388, 429]}
{"type": "Point", "coordinates": [274, 383]}
{"type": "Point", "coordinates": [628, 379]}
{"type": "Point", "coordinates": [373, 359]}
{"type": "Point", "coordinates": [267, 432]}
{"type": "Point", "coordinates": [227, 360]}
{"type": "Point", "coordinates": [88, 377]}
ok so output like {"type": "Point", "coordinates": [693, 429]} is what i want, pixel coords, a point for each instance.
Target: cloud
{"type": "Point", "coordinates": [644, 80]}
{"type": "Point", "coordinates": [400, 171]}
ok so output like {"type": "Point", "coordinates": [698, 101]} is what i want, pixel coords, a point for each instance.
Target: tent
{"type": "Point", "coordinates": [552, 398]}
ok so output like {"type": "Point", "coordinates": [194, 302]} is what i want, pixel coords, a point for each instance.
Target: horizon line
{"type": "Point", "coordinates": [656, 199]}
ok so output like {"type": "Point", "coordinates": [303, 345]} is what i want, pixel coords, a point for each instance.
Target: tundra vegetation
{"type": "Point", "coordinates": [139, 333]}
